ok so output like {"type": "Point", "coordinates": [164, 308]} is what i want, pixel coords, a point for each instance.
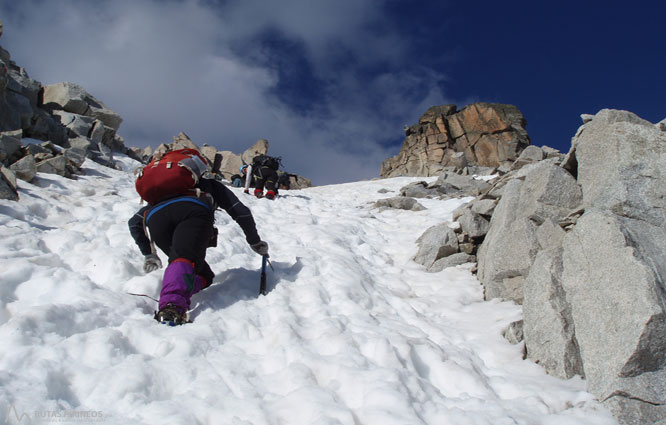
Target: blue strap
{"type": "Point", "coordinates": [173, 201]}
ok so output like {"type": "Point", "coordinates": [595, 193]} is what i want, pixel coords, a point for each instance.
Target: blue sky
{"type": "Point", "coordinates": [331, 83]}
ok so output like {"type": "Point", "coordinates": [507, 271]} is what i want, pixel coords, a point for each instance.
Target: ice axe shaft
{"type": "Point", "coordinates": [262, 284]}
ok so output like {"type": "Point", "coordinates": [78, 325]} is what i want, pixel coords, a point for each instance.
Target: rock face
{"type": "Point", "coordinates": [483, 134]}
{"type": "Point", "coordinates": [73, 98]}
{"type": "Point", "coordinates": [547, 320]}
{"type": "Point", "coordinates": [580, 241]}
{"type": "Point", "coordinates": [621, 169]}
{"type": "Point", "coordinates": [261, 147]}
{"type": "Point", "coordinates": [53, 128]}
{"type": "Point", "coordinates": [62, 123]}
{"type": "Point", "coordinates": [8, 187]}
{"type": "Point", "coordinates": [443, 245]}
{"type": "Point", "coordinates": [543, 192]}
{"type": "Point", "coordinates": [614, 263]}
{"type": "Point", "coordinates": [616, 292]}
{"type": "Point", "coordinates": [588, 254]}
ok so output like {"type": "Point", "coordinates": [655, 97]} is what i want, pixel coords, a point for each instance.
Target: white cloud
{"type": "Point", "coordinates": [170, 66]}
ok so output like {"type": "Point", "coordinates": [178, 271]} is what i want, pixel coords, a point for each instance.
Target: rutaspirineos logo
{"type": "Point", "coordinates": [16, 416]}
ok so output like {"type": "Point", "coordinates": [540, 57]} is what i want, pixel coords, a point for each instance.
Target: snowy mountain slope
{"type": "Point", "coordinates": [351, 332]}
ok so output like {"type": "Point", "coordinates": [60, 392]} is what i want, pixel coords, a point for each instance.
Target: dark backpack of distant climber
{"type": "Point", "coordinates": [263, 160]}
{"type": "Point", "coordinates": [264, 171]}
{"type": "Point", "coordinates": [174, 173]}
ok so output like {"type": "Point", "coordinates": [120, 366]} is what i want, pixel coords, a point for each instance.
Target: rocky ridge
{"type": "Point", "coordinates": [50, 128]}
{"type": "Point", "coordinates": [224, 164]}
{"type": "Point", "coordinates": [54, 128]}
{"type": "Point", "coordinates": [480, 134]}
{"type": "Point", "coordinates": [580, 241]}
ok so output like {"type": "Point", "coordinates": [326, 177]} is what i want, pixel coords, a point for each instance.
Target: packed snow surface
{"type": "Point", "coordinates": [352, 331]}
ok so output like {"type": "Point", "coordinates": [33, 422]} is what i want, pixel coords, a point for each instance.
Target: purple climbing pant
{"type": "Point", "coordinates": [179, 284]}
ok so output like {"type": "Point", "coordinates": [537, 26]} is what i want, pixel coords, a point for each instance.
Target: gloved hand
{"type": "Point", "coordinates": [152, 262]}
{"type": "Point", "coordinates": [260, 248]}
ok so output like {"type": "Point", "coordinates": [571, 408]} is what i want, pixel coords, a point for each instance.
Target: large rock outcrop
{"type": "Point", "coordinates": [74, 99]}
{"type": "Point", "coordinates": [56, 113]}
{"type": "Point", "coordinates": [580, 241]}
{"type": "Point", "coordinates": [540, 194]}
{"type": "Point", "coordinates": [614, 263]}
{"type": "Point", "coordinates": [53, 128]}
{"type": "Point", "coordinates": [483, 134]}
{"type": "Point", "coordinates": [613, 278]}
{"type": "Point", "coordinates": [593, 275]}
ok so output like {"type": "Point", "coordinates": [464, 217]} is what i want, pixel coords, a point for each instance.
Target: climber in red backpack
{"type": "Point", "coordinates": [180, 218]}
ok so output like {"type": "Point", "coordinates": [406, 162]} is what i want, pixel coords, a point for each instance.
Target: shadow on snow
{"type": "Point", "coordinates": [242, 284]}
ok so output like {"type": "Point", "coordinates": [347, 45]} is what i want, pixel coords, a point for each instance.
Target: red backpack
{"type": "Point", "coordinates": [175, 173]}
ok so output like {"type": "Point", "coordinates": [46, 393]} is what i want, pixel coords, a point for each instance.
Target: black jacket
{"type": "Point", "coordinates": [223, 197]}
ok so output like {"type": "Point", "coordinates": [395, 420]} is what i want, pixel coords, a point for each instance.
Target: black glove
{"type": "Point", "coordinates": [152, 262]}
{"type": "Point", "coordinates": [260, 248]}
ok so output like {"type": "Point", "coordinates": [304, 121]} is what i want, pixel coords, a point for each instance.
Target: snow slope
{"type": "Point", "coordinates": [352, 331]}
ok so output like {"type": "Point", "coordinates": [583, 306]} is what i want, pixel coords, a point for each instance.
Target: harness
{"type": "Point", "coordinates": [159, 206]}
{"type": "Point", "coordinates": [210, 205]}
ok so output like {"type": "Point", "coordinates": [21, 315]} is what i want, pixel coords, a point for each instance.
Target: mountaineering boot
{"type": "Point", "coordinates": [270, 194]}
{"type": "Point", "coordinates": [169, 315]}
{"type": "Point", "coordinates": [258, 193]}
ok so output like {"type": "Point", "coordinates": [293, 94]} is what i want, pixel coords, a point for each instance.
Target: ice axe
{"type": "Point", "coordinates": [262, 284]}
